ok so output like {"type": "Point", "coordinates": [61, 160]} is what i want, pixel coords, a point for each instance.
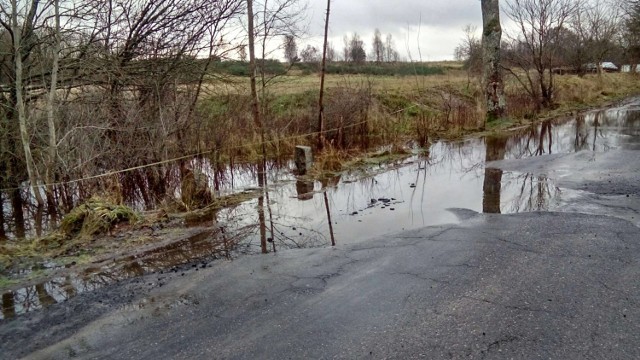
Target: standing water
{"type": "Point", "coordinates": [388, 198]}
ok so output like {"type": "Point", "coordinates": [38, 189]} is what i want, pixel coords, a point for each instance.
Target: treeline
{"type": "Point", "coordinates": [275, 67]}
{"type": "Point", "coordinates": [354, 50]}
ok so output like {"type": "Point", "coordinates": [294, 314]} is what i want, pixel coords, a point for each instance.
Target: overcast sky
{"type": "Point", "coordinates": [430, 27]}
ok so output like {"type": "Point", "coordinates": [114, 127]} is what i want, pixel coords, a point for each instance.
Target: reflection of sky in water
{"type": "Point", "coordinates": [410, 195]}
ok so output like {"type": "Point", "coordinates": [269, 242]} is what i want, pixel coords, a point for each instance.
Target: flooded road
{"type": "Point", "coordinates": [362, 205]}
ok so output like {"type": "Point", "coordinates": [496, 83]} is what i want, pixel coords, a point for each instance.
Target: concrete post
{"type": "Point", "coordinates": [303, 159]}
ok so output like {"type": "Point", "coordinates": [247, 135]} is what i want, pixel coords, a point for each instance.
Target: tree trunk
{"type": "Point", "coordinates": [322, 74]}
{"type": "Point", "coordinates": [255, 109]}
{"type": "Point", "coordinates": [255, 103]}
{"type": "Point", "coordinates": [3, 234]}
{"type": "Point", "coordinates": [22, 115]}
{"type": "Point", "coordinates": [492, 80]}
{"type": "Point", "coordinates": [53, 87]}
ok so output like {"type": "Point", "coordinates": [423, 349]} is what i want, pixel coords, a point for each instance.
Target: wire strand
{"type": "Point", "coordinates": [168, 161]}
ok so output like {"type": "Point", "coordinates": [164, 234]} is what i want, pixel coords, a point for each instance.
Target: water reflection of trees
{"type": "Point", "coordinates": [536, 193]}
{"type": "Point", "coordinates": [594, 131]}
{"type": "Point", "coordinates": [528, 192]}
{"type": "Point", "coordinates": [492, 184]}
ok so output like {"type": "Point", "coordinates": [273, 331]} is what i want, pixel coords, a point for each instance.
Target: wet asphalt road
{"type": "Point", "coordinates": [562, 285]}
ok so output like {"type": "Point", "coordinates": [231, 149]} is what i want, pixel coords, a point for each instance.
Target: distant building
{"type": "Point", "coordinates": [606, 66]}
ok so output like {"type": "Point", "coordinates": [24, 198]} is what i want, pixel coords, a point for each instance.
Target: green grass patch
{"type": "Point", "coordinates": [282, 104]}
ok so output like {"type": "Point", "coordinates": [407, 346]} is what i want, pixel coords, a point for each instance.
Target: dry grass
{"type": "Point", "coordinates": [96, 216]}
{"type": "Point", "coordinates": [329, 160]}
{"type": "Point", "coordinates": [592, 90]}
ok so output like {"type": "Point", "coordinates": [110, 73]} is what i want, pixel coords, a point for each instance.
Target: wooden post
{"type": "Point", "coordinates": [322, 73]}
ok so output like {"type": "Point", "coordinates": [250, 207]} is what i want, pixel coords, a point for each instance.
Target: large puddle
{"type": "Point", "coordinates": [410, 194]}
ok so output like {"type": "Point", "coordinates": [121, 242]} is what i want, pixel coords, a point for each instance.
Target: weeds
{"type": "Point", "coordinates": [329, 160]}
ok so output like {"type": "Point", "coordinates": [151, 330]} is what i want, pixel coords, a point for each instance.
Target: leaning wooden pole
{"type": "Point", "coordinates": [322, 74]}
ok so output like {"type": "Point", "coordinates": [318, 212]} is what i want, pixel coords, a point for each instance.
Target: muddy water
{"type": "Point", "coordinates": [410, 194]}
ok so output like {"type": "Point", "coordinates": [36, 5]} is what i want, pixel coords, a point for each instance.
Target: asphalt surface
{"type": "Point", "coordinates": [559, 285]}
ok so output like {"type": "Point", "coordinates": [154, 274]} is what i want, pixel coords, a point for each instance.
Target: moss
{"type": "Point", "coordinates": [492, 26]}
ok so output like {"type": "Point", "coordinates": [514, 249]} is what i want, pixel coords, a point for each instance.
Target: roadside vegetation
{"type": "Point", "coordinates": [107, 123]}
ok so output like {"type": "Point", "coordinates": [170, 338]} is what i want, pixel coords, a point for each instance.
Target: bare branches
{"type": "Point", "coordinates": [535, 46]}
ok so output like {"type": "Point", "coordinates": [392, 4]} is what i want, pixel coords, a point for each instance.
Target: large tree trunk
{"type": "Point", "coordinates": [492, 81]}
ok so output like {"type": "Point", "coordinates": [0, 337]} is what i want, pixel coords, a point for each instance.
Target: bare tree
{"type": "Point", "coordinates": [533, 48]}
{"type": "Point", "coordinates": [22, 35]}
{"type": "Point", "coordinates": [290, 49]}
{"type": "Point", "coordinates": [357, 54]}
{"type": "Point", "coordinates": [346, 53]}
{"type": "Point", "coordinates": [390, 52]}
{"type": "Point", "coordinates": [331, 53]}
{"type": "Point", "coordinates": [51, 105]}
{"type": "Point", "coordinates": [631, 29]}
{"type": "Point", "coordinates": [600, 27]}
{"type": "Point", "coordinates": [273, 19]}
{"type": "Point", "coordinates": [310, 54]}
{"type": "Point", "coordinates": [470, 52]}
{"type": "Point", "coordinates": [491, 40]}
{"type": "Point", "coordinates": [378, 47]}
{"type": "Point", "coordinates": [101, 85]}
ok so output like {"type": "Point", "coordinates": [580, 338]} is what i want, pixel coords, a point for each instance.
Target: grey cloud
{"type": "Point", "coordinates": [440, 21]}
{"type": "Point", "coordinates": [363, 15]}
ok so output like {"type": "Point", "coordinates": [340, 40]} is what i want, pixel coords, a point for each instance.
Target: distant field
{"type": "Point", "coordinates": [295, 82]}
